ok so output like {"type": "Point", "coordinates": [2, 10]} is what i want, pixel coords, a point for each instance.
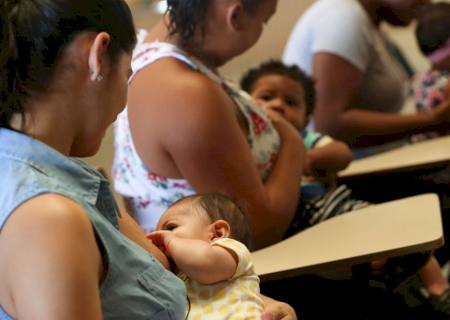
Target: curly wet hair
{"type": "Point", "coordinates": [276, 67]}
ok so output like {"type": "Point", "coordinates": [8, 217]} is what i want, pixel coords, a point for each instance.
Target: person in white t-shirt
{"type": "Point", "coordinates": [289, 92]}
{"type": "Point", "coordinates": [361, 87]}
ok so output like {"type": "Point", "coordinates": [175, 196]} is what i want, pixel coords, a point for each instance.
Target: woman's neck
{"type": "Point", "coordinates": [46, 122]}
{"type": "Point", "coordinates": [372, 8]}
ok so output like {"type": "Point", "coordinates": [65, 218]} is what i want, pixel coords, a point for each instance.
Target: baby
{"type": "Point", "coordinates": [205, 236]}
{"type": "Point", "coordinates": [433, 37]}
{"type": "Point", "coordinates": [288, 91]}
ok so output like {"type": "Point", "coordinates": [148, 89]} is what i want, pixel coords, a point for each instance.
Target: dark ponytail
{"type": "Point", "coordinates": [34, 33]}
{"type": "Point", "coordinates": [8, 63]}
{"type": "Point", "coordinates": [187, 16]}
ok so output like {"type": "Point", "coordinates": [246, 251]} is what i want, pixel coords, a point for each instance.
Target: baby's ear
{"type": "Point", "coordinates": [220, 229]}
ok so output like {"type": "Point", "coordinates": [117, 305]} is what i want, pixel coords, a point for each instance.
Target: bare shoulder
{"type": "Point", "coordinates": [49, 211]}
{"type": "Point", "coordinates": [42, 239]}
{"type": "Point", "coordinates": [51, 220]}
{"type": "Point", "coordinates": [170, 103]}
{"type": "Point", "coordinates": [171, 86]}
{"type": "Point", "coordinates": [43, 245]}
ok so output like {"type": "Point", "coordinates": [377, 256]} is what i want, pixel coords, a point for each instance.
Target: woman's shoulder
{"type": "Point", "coordinates": [49, 236]}
{"type": "Point", "coordinates": [51, 217]}
{"type": "Point", "coordinates": [170, 98]}
{"type": "Point", "coordinates": [56, 208]}
{"type": "Point", "coordinates": [173, 84]}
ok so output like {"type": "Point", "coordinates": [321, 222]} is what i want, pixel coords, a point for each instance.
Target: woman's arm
{"type": "Point", "coordinates": [186, 127]}
{"type": "Point", "coordinates": [50, 265]}
{"type": "Point", "coordinates": [282, 186]}
{"type": "Point", "coordinates": [337, 114]}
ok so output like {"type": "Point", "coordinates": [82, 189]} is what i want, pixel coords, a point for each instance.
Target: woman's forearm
{"type": "Point", "coordinates": [283, 184]}
{"type": "Point", "coordinates": [362, 128]}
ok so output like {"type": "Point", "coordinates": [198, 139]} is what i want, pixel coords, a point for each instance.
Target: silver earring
{"type": "Point", "coordinates": [99, 78]}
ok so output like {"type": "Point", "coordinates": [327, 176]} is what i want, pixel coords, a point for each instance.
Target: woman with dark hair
{"type": "Point", "coordinates": [187, 130]}
{"type": "Point", "coordinates": [64, 67]}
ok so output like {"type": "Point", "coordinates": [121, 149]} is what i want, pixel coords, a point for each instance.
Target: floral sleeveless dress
{"type": "Point", "coordinates": [149, 193]}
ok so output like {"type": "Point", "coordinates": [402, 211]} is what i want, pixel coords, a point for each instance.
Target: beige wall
{"type": "Point", "coordinates": [270, 46]}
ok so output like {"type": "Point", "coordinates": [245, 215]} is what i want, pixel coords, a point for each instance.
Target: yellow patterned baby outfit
{"type": "Point", "coordinates": [237, 298]}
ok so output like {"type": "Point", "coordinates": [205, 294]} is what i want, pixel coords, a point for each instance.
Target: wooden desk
{"type": "Point", "coordinates": [381, 231]}
{"type": "Point", "coordinates": [424, 154]}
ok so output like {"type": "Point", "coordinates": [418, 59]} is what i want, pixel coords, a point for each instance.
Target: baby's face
{"type": "Point", "coordinates": [443, 65]}
{"type": "Point", "coordinates": [185, 222]}
{"type": "Point", "coordinates": [282, 95]}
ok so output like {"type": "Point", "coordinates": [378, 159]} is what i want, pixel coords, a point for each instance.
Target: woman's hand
{"type": "Point", "coordinates": [276, 310]}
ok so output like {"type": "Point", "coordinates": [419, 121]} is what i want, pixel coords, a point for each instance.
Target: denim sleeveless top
{"type": "Point", "coordinates": [136, 286]}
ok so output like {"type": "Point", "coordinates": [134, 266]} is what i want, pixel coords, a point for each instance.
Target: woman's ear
{"type": "Point", "coordinates": [97, 55]}
{"type": "Point", "coordinates": [235, 16]}
{"type": "Point", "coordinates": [220, 229]}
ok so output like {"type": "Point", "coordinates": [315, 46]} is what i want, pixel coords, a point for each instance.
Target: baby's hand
{"type": "Point", "coordinates": [161, 239]}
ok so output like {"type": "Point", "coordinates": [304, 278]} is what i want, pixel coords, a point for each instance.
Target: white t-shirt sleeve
{"type": "Point", "coordinates": [323, 141]}
{"type": "Point", "coordinates": [344, 32]}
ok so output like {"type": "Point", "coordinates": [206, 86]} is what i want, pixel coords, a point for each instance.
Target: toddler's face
{"type": "Point", "coordinates": [283, 95]}
{"type": "Point", "coordinates": [443, 65]}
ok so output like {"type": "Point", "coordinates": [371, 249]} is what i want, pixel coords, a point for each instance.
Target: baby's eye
{"type": "Point", "coordinates": [170, 226]}
{"type": "Point", "coordinates": [266, 97]}
{"type": "Point", "coordinates": [291, 102]}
